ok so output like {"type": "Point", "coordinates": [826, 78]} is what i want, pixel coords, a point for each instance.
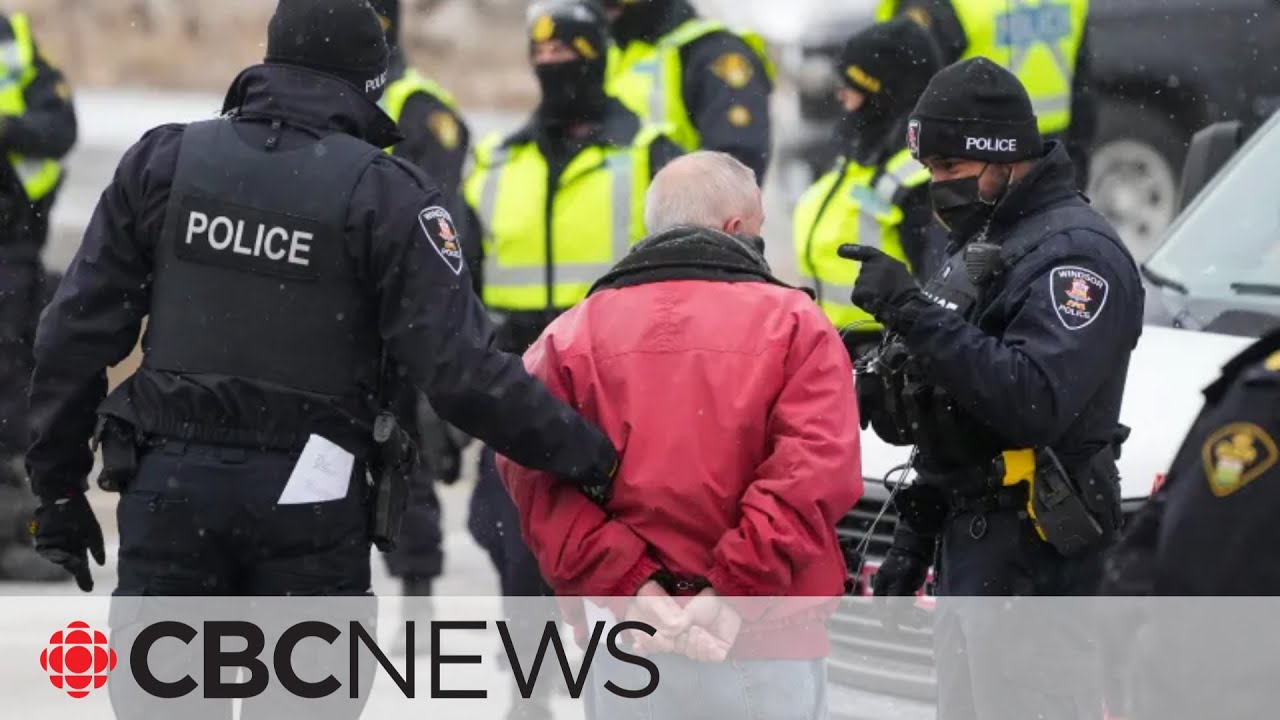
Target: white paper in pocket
{"type": "Point", "coordinates": [322, 474]}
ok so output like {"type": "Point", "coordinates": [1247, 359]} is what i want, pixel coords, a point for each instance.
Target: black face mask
{"type": "Point", "coordinates": [571, 91]}
{"type": "Point", "coordinates": [862, 132]}
{"type": "Point", "coordinates": [960, 206]}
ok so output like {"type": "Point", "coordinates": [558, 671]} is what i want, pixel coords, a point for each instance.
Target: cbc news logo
{"type": "Point", "coordinates": [78, 659]}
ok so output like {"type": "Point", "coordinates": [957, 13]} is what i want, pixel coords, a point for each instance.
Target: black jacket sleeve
{"type": "Point", "coordinates": [435, 326]}
{"type": "Point", "coordinates": [729, 109]}
{"type": "Point", "coordinates": [923, 239]}
{"type": "Point", "coordinates": [939, 17]}
{"type": "Point", "coordinates": [1030, 383]}
{"type": "Point", "coordinates": [436, 140]}
{"type": "Point", "coordinates": [48, 128]}
{"type": "Point", "coordinates": [95, 317]}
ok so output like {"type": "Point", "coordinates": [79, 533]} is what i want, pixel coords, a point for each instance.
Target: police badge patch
{"type": "Point", "coordinates": [440, 230]}
{"type": "Point", "coordinates": [1078, 295]}
{"type": "Point", "coordinates": [1236, 455]}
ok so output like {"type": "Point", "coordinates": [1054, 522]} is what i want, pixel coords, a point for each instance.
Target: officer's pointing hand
{"type": "Point", "coordinates": [884, 286]}
{"type": "Point", "coordinates": [66, 533]}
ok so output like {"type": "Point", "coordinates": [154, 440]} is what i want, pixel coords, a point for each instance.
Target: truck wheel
{"type": "Point", "coordinates": [1134, 170]}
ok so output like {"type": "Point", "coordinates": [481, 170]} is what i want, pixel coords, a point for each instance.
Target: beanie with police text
{"type": "Point", "coordinates": [343, 38]}
{"type": "Point", "coordinates": [975, 110]}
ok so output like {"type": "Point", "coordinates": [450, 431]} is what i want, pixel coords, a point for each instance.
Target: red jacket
{"type": "Point", "coordinates": [733, 406]}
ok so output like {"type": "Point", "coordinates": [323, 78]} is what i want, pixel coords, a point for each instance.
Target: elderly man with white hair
{"type": "Point", "coordinates": [732, 396]}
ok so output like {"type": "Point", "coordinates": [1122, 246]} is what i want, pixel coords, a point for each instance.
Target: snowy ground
{"type": "Point", "coordinates": [110, 122]}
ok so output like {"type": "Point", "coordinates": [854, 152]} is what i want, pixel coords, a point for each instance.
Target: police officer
{"type": "Point", "coordinates": [278, 255]}
{"type": "Point", "coordinates": [560, 201]}
{"type": "Point", "coordinates": [876, 194]}
{"type": "Point", "coordinates": [37, 130]}
{"type": "Point", "coordinates": [1045, 43]}
{"type": "Point", "coordinates": [708, 83]}
{"type": "Point", "coordinates": [1209, 531]}
{"type": "Point", "coordinates": [436, 140]}
{"type": "Point", "coordinates": [1017, 351]}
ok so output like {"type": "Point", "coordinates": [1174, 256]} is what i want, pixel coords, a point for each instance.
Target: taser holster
{"type": "Point", "coordinates": [393, 467]}
{"type": "Point", "coordinates": [119, 445]}
{"type": "Point", "coordinates": [1055, 503]}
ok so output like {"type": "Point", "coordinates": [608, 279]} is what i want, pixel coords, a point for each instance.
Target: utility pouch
{"type": "Point", "coordinates": [394, 464]}
{"type": "Point", "coordinates": [1054, 501]}
{"type": "Point", "coordinates": [119, 444]}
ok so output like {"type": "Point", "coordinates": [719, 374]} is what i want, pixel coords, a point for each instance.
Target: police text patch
{"type": "Point", "coordinates": [440, 230]}
{"type": "Point", "coordinates": [211, 232]}
{"type": "Point", "coordinates": [1078, 295]}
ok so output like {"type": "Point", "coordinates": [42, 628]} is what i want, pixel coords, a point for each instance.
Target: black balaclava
{"type": "Point", "coordinates": [342, 38]}
{"type": "Point", "coordinates": [572, 91]}
{"type": "Point", "coordinates": [890, 64]}
{"type": "Point", "coordinates": [640, 19]}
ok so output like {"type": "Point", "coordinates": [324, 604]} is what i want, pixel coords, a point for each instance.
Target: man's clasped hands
{"type": "Point", "coordinates": [703, 629]}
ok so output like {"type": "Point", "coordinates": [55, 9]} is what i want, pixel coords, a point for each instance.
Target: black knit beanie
{"type": "Point", "coordinates": [576, 23]}
{"type": "Point", "coordinates": [894, 58]}
{"type": "Point", "coordinates": [343, 38]}
{"type": "Point", "coordinates": [975, 110]}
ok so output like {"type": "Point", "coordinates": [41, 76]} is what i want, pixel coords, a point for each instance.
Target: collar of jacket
{"type": "Point", "coordinates": [618, 127]}
{"type": "Point", "coordinates": [310, 100]}
{"type": "Point", "coordinates": [690, 253]}
{"type": "Point", "coordinates": [1049, 182]}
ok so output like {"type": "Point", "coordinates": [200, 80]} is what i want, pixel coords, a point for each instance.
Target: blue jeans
{"type": "Point", "coordinates": [688, 690]}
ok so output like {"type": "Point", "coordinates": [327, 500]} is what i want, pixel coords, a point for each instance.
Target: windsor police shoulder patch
{"type": "Point", "coordinates": [440, 230]}
{"type": "Point", "coordinates": [1078, 295]}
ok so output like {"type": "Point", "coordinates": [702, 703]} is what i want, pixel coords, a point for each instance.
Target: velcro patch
{"type": "Point", "coordinates": [1078, 295]}
{"type": "Point", "coordinates": [443, 234]}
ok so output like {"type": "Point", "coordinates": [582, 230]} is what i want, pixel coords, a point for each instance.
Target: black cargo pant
{"type": "Point", "coordinates": [200, 520]}
{"type": "Point", "coordinates": [1012, 633]}
{"type": "Point", "coordinates": [495, 525]}
{"type": "Point", "coordinates": [203, 520]}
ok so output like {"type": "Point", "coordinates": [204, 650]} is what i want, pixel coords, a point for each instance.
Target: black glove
{"type": "Point", "coordinates": [884, 287]}
{"type": "Point", "coordinates": [923, 508]}
{"type": "Point", "coordinates": [66, 532]}
{"type": "Point", "coordinates": [905, 566]}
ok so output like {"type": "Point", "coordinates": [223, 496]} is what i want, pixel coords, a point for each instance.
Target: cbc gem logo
{"type": "Point", "coordinates": [78, 659]}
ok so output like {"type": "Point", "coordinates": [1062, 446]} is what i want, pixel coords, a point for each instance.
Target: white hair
{"type": "Point", "coordinates": [701, 189]}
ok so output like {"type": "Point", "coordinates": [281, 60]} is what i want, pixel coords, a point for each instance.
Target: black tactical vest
{"type": "Point", "coordinates": [252, 275]}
